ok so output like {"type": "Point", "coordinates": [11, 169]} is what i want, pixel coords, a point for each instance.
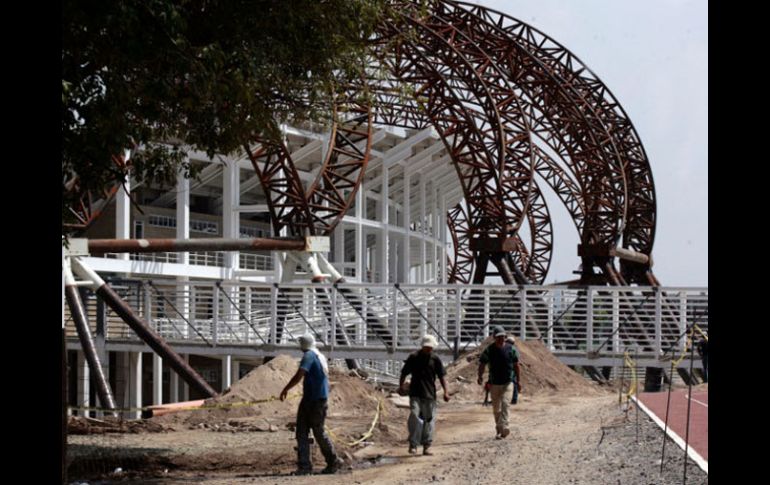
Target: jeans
{"type": "Point", "coordinates": [311, 415]}
{"type": "Point", "coordinates": [421, 422]}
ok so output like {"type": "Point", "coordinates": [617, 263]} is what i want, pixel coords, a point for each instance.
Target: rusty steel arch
{"type": "Point", "coordinates": [514, 109]}
{"type": "Point", "coordinates": [494, 88]}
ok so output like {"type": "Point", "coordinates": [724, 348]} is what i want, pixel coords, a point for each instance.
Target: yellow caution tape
{"type": "Point", "coordinates": [366, 435]}
{"type": "Point", "coordinates": [689, 343]}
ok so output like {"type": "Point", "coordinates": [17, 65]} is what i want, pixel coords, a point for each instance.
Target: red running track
{"type": "Point", "coordinates": [655, 402]}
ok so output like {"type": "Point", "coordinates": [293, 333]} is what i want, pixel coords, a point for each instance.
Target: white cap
{"type": "Point", "coordinates": [306, 342]}
{"type": "Point", "coordinates": [429, 341]}
{"type": "Point", "coordinates": [510, 339]}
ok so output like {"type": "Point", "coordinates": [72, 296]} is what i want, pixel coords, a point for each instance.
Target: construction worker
{"type": "Point", "coordinates": [311, 413]}
{"type": "Point", "coordinates": [425, 367]}
{"type": "Point", "coordinates": [488, 386]}
{"type": "Point", "coordinates": [503, 362]}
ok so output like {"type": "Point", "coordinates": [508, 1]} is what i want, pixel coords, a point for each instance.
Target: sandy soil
{"type": "Point", "coordinates": [564, 430]}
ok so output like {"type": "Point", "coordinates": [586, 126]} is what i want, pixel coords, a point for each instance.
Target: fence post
{"type": "Point", "coordinates": [274, 314]}
{"type": "Point", "coordinates": [486, 314]}
{"type": "Point", "coordinates": [458, 318]}
{"type": "Point", "coordinates": [682, 320]}
{"type": "Point", "coordinates": [523, 306]}
{"type": "Point", "coordinates": [334, 317]}
{"type": "Point", "coordinates": [589, 319]}
{"type": "Point", "coordinates": [147, 304]}
{"type": "Point", "coordinates": [550, 321]}
{"type": "Point", "coordinates": [215, 318]}
{"type": "Point", "coordinates": [615, 322]}
{"type": "Point", "coordinates": [658, 318]}
{"type": "Point", "coordinates": [394, 309]}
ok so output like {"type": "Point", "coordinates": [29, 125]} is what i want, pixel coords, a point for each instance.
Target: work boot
{"type": "Point", "coordinates": [426, 450]}
{"type": "Point", "coordinates": [333, 468]}
{"type": "Point", "coordinates": [505, 432]}
{"type": "Point", "coordinates": [302, 471]}
{"type": "Point", "coordinates": [412, 450]}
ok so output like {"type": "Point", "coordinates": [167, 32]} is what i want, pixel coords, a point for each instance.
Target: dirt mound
{"type": "Point", "coordinates": [349, 396]}
{"type": "Point", "coordinates": [541, 372]}
{"type": "Point", "coordinates": [82, 425]}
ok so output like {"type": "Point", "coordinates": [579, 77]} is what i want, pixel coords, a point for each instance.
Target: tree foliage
{"type": "Point", "coordinates": [209, 74]}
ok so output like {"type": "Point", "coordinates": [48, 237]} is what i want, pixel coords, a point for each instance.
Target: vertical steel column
{"type": "Point", "coordinates": [523, 305]}
{"type": "Point", "coordinates": [86, 341]}
{"type": "Point", "coordinates": [215, 317]}
{"type": "Point", "coordinates": [615, 322]}
{"type": "Point", "coordinates": [589, 319]}
{"type": "Point", "coordinates": [658, 320]}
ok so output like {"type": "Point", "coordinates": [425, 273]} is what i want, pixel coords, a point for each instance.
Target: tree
{"type": "Point", "coordinates": [209, 74]}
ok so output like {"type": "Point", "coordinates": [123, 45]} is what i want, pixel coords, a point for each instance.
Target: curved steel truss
{"type": "Point", "coordinates": [516, 111]}
{"type": "Point", "coordinates": [518, 114]}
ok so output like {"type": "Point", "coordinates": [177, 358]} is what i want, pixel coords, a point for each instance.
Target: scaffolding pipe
{"type": "Point", "coordinates": [87, 340]}
{"type": "Point", "coordinates": [101, 246]}
{"type": "Point", "coordinates": [143, 330]}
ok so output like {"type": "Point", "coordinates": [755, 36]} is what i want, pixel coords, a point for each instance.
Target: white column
{"type": "Point", "coordinates": [123, 214]}
{"type": "Point", "coordinates": [383, 246]}
{"type": "Point", "coordinates": [407, 254]}
{"type": "Point", "coordinates": [360, 241]}
{"type": "Point", "coordinates": [182, 213]}
{"type": "Point", "coordinates": [157, 379]}
{"type": "Point", "coordinates": [339, 244]}
{"type": "Point", "coordinates": [84, 385]}
{"type": "Point", "coordinates": [231, 195]}
{"type": "Point", "coordinates": [423, 230]}
{"type": "Point", "coordinates": [135, 382]}
{"type": "Point", "coordinates": [442, 224]}
{"type": "Point", "coordinates": [394, 253]}
{"type": "Point", "coordinates": [227, 376]}
{"type": "Point", "coordinates": [434, 208]}
{"type": "Point", "coordinates": [182, 232]}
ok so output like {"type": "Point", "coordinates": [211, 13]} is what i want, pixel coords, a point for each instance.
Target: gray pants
{"type": "Point", "coordinates": [312, 415]}
{"type": "Point", "coordinates": [421, 421]}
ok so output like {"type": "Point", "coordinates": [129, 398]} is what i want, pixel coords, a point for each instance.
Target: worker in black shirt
{"type": "Point", "coordinates": [425, 367]}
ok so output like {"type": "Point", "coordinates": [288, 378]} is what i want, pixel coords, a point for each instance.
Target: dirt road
{"type": "Point", "coordinates": [554, 440]}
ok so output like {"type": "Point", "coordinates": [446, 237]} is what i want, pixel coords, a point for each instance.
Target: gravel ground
{"type": "Point", "coordinates": [556, 439]}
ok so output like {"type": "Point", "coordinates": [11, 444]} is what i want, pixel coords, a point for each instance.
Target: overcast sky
{"type": "Point", "coordinates": [653, 56]}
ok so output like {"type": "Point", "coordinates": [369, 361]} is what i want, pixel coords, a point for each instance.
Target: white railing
{"type": "Point", "coordinates": [263, 262]}
{"type": "Point", "coordinates": [604, 321]}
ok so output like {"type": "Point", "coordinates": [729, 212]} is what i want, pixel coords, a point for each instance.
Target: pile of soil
{"type": "Point", "coordinates": [541, 373]}
{"type": "Point", "coordinates": [350, 397]}
{"type": "Point", "coordinates": [81, 425]}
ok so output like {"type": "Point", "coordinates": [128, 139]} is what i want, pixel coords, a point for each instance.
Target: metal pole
{"type": "Point", "coordinates": [87, 341]}
{"type": "Point", "coordinates": [668, 405]}
{"type": "Point", "coordinates": [100, 246]}
{"type": "Point", "coordinates": [689, 404]}
{"type": "Point", "coordinates": [143, 330]}
{"type": "Point", "coordinates": [636, 389]}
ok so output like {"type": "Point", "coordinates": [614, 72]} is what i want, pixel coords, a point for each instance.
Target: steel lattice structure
{"type": "Point", "coordinates": [517, 113]}
{"type": "Point", "coordinates": [514, 109]}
